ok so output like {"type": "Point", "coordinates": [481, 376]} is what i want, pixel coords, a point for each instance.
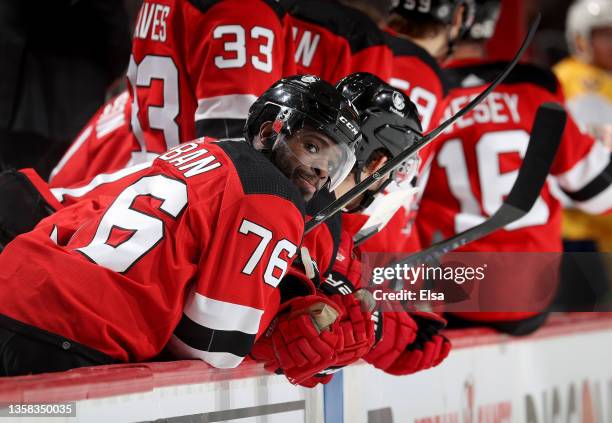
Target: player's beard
{"type": "Point", "coordinates": [305, 180]}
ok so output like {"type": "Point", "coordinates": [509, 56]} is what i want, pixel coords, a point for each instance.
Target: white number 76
{"type": "Point", "coordinates": [275, 262]}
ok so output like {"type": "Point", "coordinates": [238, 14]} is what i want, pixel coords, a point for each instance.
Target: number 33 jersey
{"type": "Point", "coordinates": [198, 65]}
{"type": "Point", "coordinates": [477, 162]}
{"type": "Point", "coordinates": [187, 246]}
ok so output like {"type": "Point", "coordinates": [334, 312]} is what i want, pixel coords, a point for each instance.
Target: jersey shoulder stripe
{"type": "Point", "coordinates": [258, 175]}
{"type": "Point", "coordinates": [521, 74]}
{"type": "Point", "coordinates": [357, 28]}
{"type": "Point", "coordinates": [205, 5]}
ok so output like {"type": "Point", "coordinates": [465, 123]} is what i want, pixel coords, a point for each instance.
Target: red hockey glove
{"type": "Point", "coordinates": [395, 330]}
{"type": "Point", "coordinates": [356, 326]}
{"type": "Point", "coordinates": [429, 349]}
{"type": "Point", "coordinates": [302, 340]}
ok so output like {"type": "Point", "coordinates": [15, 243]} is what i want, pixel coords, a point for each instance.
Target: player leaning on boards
{"type": "Point", "coordinates": [111, 279]}
{"type": "Point", "coordinates": [487, 146]}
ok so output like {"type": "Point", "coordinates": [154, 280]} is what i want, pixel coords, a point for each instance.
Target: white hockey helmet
{"type": "Point", "coordinates": [585, 15]}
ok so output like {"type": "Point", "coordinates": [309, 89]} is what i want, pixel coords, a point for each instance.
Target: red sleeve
{"type": "Point", "coordinates": [235, 293]}
{"type": "Point", "coordinates": [320, 245]}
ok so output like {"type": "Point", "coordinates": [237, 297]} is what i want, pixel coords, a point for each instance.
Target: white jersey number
{"type": "Point", "coordinates": [237, 47]}
{"type": "Point", "coordinates": [276, 262]}
{"type": "Point", "coordinates": [494, 184]}
{"type": "Point", "coordinates": [423, 6]}
{"type": "Point", "coordinates": [147, 231]}
{"type": "Point", "coordinates": [162, 118]}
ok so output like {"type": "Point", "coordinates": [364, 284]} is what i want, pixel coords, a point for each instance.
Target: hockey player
{"type": "Point", "coordinates": [587, 84]}
{"type": "Point", "coordinates": [402, 342]}
{"type": "Point", "coordinates": [477, 160]}
{"type": "Point", "coordinates": [416, 37]}
{"type": "Point", "coordinates": [117, 277]}
{"type": "Point", "coordinates": [405, 342]}
{"type": "Point", "coordinates": [195, 69]}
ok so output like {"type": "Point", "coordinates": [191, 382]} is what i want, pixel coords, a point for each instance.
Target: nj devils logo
{"type": "Point", "coordinates": [398, 101]}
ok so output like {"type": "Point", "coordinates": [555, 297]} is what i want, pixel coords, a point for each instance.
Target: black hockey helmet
{"type": "Point", "coordinates": [389, 121]}
{"type": "Point", "coordinates": [485, 20]}
{"type": "Point", "coordinates": [441, 11]}
{"type": "Point", "coordinates": [307, 101]}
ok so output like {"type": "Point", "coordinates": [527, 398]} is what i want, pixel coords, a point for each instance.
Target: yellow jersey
{"type": "Point", "coordinates": [588, 92]}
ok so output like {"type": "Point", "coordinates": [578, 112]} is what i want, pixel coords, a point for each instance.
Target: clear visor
{"type": "Point", "coordinates": [316, 158]}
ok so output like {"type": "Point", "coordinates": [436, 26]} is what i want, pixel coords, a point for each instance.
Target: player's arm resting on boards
{"type": "Point", "coordinates": [235, 295]}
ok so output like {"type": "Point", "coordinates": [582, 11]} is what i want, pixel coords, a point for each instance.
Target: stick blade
{"type": "Point", "coordinates": [544, 141]}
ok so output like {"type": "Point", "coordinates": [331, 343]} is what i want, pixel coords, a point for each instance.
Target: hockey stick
{"type": "Point", "coordinates": [544, 141]}
{"type": "Point", "coordinates": [395, 162]}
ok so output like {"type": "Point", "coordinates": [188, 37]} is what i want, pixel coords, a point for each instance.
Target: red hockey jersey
{"type": "Point", "coordinates": [195, 69]}
{"type": "Point", "coordinates": [477, 162]}
{"type": "Point", "coordinates": [332, 40]}
{"type": "Point", "coordinates": [186, 246]}
{"type": "Point", "coordinates": [197, 66]}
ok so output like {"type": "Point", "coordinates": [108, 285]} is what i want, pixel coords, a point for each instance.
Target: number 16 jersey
{"type": "Point", "coordinates": [478, 158]}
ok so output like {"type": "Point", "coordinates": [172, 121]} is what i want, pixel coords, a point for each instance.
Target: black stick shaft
{"type": "Point", "coordinates": [546, 135]}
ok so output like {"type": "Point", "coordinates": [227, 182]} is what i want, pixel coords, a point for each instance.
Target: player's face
{"type": "Point", "coordinates": [601, 44]}
{"type": "Point", "coordinates": [307, 158]}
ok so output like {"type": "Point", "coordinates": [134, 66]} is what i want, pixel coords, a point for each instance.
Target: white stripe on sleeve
{"type": "Point", "coordinates": [103, 178]}
{"type": "Point", "coordinates": [221, 315]}
{"type": "Point", "coordinates": [585, 170]}
{"type": "Point", "coordinates": [233, 106]}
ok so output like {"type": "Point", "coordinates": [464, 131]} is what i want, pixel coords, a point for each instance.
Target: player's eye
{"type": "Point", "coordinates": [311, 148]}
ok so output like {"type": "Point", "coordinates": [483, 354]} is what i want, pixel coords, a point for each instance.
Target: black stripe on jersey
{"type": "Point", "coordinates": [356, 27]}
{"type": "Point", "coordinates": [220, 128]}
{"type": "Point", "coordinates": [258, 175]}
{"type": "Point", "coordinates": [204, 5]}
{"type": "Point", "coordinates": [206, 339]}
{"type": "Point", "coordinates": [404, 47]}
{"type": "Point", "coordinates": [595, 187]}
{"type": "Point", "coordinates": [522, 73]}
